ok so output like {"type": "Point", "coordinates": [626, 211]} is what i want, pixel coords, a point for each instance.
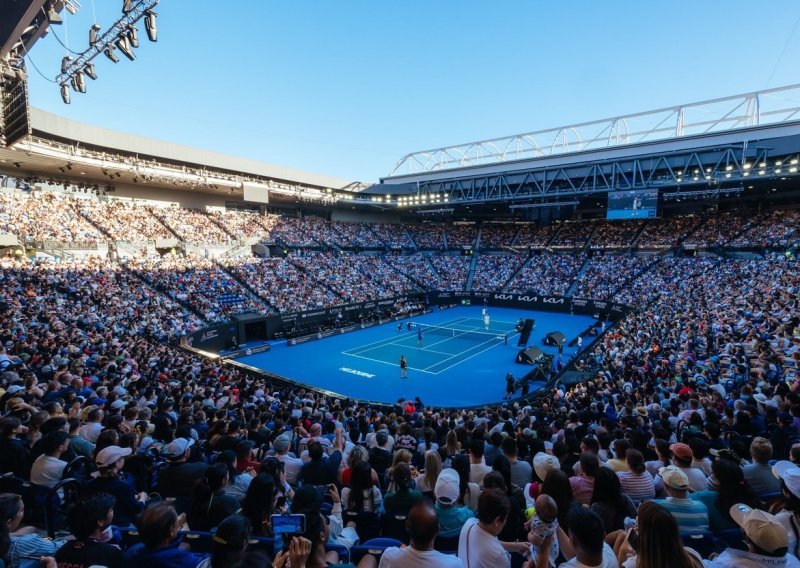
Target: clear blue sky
{"type": "Point", "coordinates": [347, 87]}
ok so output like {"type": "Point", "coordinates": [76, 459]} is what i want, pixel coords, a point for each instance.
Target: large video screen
{"type": "Point", "coordinates": [639, 204]}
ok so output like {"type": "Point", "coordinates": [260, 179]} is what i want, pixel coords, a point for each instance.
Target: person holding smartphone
{"type": "Point", "coordinates": [654, 542]}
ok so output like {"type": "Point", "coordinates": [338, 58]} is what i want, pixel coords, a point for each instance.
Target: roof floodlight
{"type": "Point", "coordinates": [90, 72]}
{"type": "Point", "coordinates": [94, 31]}
{"type": "Point", "coordinates": [109, 51]}
{"type": "Point", "coordinates": [53, 17]}
{"type": "Point", "coordinates": [150, 25]}
{"type": "Point", "coordinates": [133, 36]}
{"type": "Point", "coordinates": [65, 93]}
{"type": "Point", "coordinates": [125, 47]}
{"type": "Point", "coordinates": [78, 82]}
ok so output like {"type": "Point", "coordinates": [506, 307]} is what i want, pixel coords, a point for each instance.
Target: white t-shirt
{"type": "Point", "coordinates": [732, 558]}
{"type": "Point", "coordinates": [409, 557]}
{"type": "Point", "coordinates": [479, 549]}
{"type": "Point", "coordinates": [609, 560]}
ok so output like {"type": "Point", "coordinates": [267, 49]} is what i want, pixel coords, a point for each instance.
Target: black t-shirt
{"type": "Point", "coordinates": [82, 554]}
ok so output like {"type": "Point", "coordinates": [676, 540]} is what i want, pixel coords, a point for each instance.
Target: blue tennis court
{"type": "Point", "coordinates": [459, 361]}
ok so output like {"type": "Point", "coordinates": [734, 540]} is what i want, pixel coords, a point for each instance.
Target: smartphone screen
{"type": "Point", "coordinates": [288, 524]}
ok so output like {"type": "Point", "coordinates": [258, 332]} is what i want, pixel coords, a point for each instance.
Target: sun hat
{"type": "Point", "coordinates": [790, 474]}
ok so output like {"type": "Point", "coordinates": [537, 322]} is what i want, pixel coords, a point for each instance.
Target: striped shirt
{"type": "Point", "coordinates": [690, 515]}
{"type": "Point", "coordinates": [30, 545]}
{"type": "Point", "coordinates": [638, 486]}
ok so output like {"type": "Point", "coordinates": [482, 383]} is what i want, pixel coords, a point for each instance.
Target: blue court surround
{"type": "Point", "coordinates": [445, 371]}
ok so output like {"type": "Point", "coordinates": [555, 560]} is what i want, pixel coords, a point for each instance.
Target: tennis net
{"type": "Point", "coordinates": [467, 334]}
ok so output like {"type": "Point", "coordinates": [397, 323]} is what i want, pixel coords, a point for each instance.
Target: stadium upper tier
{"type": "Point", "coordinates": [324, 263]}
{"type": "Point", "coordinates": [58, 220]}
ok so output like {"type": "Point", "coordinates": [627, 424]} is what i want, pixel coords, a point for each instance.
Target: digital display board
{"type": "Point", "coordinates": [635, 204]}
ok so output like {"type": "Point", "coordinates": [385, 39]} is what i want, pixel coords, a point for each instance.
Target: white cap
{"type": "Point", "coordinates": [447, 489]}
{"type": "Point", "coordinates": [790, 474]}
{"type": "Point", "coordinates": [110, 455]}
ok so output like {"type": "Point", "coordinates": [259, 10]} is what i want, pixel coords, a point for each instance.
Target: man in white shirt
{"type": "Point", "coordinates": [682, 457]}
{"type": "Point", "coordinates": [477, 466]}
{"type": "Point", "coordinates": [478, 546]}
{"type": "Point", "coordinates": [767, 543]}
{"type": "Point", "coordinates": [48, 468]}
{"type": "Point", "coordinates": [423, 526]}
{"type": "Point", "coordinates": [373, 443]}
{"type": "Point", "coordinates": [291, 465]}
{"type": "Point", "coordinates": [587, 536]}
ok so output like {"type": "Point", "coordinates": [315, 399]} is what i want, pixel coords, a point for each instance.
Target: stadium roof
{"type": "Point", "coordinates": [695, 121]}
{"type": "Point", "coordinates": [45, 153]}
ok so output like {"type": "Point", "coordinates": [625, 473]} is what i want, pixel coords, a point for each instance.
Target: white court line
{"type": "Point", "coordinates": [461, 360]}
{"type": "Point", "coordinates": [466, 351]}
{"type": "Point", "coordinates": [404, 346]}
{"type": "Point", "coordinates": [392, 364]}
{"type": "Point", "coordinates": [394, 341]}
{"type": "Point", "coordinates": [391, 340]}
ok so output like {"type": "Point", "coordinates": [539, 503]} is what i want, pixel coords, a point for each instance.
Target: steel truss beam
{"type": "Point", "coordinates": [772, 106]}
{"type": "Point", "coordinates": [105, 39]}
{"type": "Point", "coordinates": [723, 167]}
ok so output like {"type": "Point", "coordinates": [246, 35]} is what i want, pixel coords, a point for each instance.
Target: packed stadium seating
{"type": "Point", "coordinates": [707, 360]}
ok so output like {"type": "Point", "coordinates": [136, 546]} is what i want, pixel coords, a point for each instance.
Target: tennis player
{"type": "Point", "coordinates": [419, 336]}
{"type": "Point", "coordinates": [485, 320]}
{"type": "Point", "coordinates": [403, 367]}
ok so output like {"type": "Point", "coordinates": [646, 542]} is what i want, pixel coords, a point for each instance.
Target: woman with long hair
{"type": "Point", "coordinates": [274, 467]}
{"type": "Point", "coordinates": [556, 485]}
{"type": "Point", "coordinates": [356, 456]}
{"type": "Point", "coordinates": [428, 442]}
{"type": "Point", "coordinates": [400, 501]}
{"type": "Point", "coordinates": [608, 501]}
{"type": "Point", "coordinates": [658, 542]}
{"type": "Point", "coordinates": [452, 445]}
{"type": "Point", "coordinates": [362, 495]}
{"type": "Point", "coordinates": [468, 492]}
{"type": "Point", "coordinates": [210, 504]}
{"type": "Point", "coordinates": [730, 488]}
{"type": "Point", "coordinates": [637, 483]}
{"type": "Point", "coordinates": [400, 456]}
{"type": "Point", "coordinates": [433, 467]}
{"type": "Point", "coordinates": [259, 503]}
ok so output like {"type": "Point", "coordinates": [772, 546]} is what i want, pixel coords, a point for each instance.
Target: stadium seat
{"type": "Point", "coordinates": [368, 524]}
{"type": "Point", "coordinates": [704, 542]}
{"type": "Point", "coordinates": [394, 526]}
{"type": "Point", "coordinates": [374, 546]}
{"type": "Point", "coordinates": [732, 537]}
{"type": "Point", "coordinates": [446, 543]}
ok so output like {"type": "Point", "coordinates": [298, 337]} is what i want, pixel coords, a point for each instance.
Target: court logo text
{"type": "Point", "coordinates": [356, 372]}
